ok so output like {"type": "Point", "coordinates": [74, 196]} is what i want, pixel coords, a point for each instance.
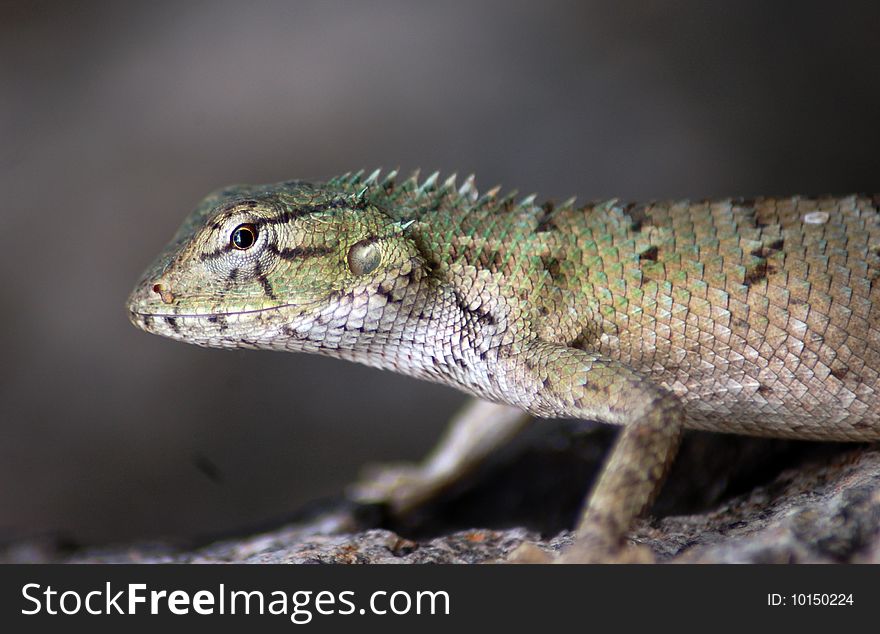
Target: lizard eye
{"type": "Point", "coordinates": [364, 257]}
{"type": "Point", "coordinates": [243, 236]}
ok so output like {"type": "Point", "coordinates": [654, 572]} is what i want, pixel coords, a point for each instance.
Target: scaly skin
{"type": "Point", "coordinates": [755, 317]}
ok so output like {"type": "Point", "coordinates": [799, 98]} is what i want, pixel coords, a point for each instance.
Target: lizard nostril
{"type": "Point", "coordinates": [163, 292]}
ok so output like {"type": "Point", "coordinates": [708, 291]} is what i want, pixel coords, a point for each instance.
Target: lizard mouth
{"type": "Point", "coordinates": [144, 314]}
{"type": "Point", "coordinates": [195, 327]}
{"type": "Point", "coordinates": [143, 304]}
{"type": "Point", "coordinates": [141, 314]}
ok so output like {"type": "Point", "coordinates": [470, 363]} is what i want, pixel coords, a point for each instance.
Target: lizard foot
{"type": "Point", "coordinates": [401, 486]}
{"type": "Point", "coordinates": [475, 433]}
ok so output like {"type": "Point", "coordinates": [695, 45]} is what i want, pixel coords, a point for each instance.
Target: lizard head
{"type": "Point", "coordinates": [290, 265]}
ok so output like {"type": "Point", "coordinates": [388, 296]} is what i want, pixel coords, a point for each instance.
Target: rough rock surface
{"type": "Point", "coordinates": [823, 513]}
{"type": "Point", "coordinates": [727, 500]}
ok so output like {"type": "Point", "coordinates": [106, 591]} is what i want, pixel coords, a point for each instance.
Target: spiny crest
{"type": "Point", "coordinates": [431, 193]}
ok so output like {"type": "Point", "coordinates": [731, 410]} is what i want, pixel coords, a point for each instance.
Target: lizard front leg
{"type": "Point", "coordinates": [552, 380]}
{"type": "Point", "coordinates": [478, 429]}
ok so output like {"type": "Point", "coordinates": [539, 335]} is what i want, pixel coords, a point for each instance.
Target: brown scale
{"type": "Point", "coordinates": [767, 314]}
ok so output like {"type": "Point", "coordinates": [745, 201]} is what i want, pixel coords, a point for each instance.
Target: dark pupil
{"type": "Point", "coordinates": [244, 237]}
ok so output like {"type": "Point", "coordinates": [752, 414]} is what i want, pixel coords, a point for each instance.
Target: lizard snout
{"type": "Point", "coordinates": [162, 290]}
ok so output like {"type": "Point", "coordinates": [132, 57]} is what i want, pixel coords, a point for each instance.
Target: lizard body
{"type": "Point", "coordinates": [756, 317]}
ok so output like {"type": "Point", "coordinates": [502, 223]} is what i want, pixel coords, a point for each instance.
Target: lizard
{"type": "Point", "coordinates": [757, 317]}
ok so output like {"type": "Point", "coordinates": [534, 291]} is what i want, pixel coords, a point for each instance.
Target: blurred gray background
{"type": "Point", "coordinates": [116, 118]}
